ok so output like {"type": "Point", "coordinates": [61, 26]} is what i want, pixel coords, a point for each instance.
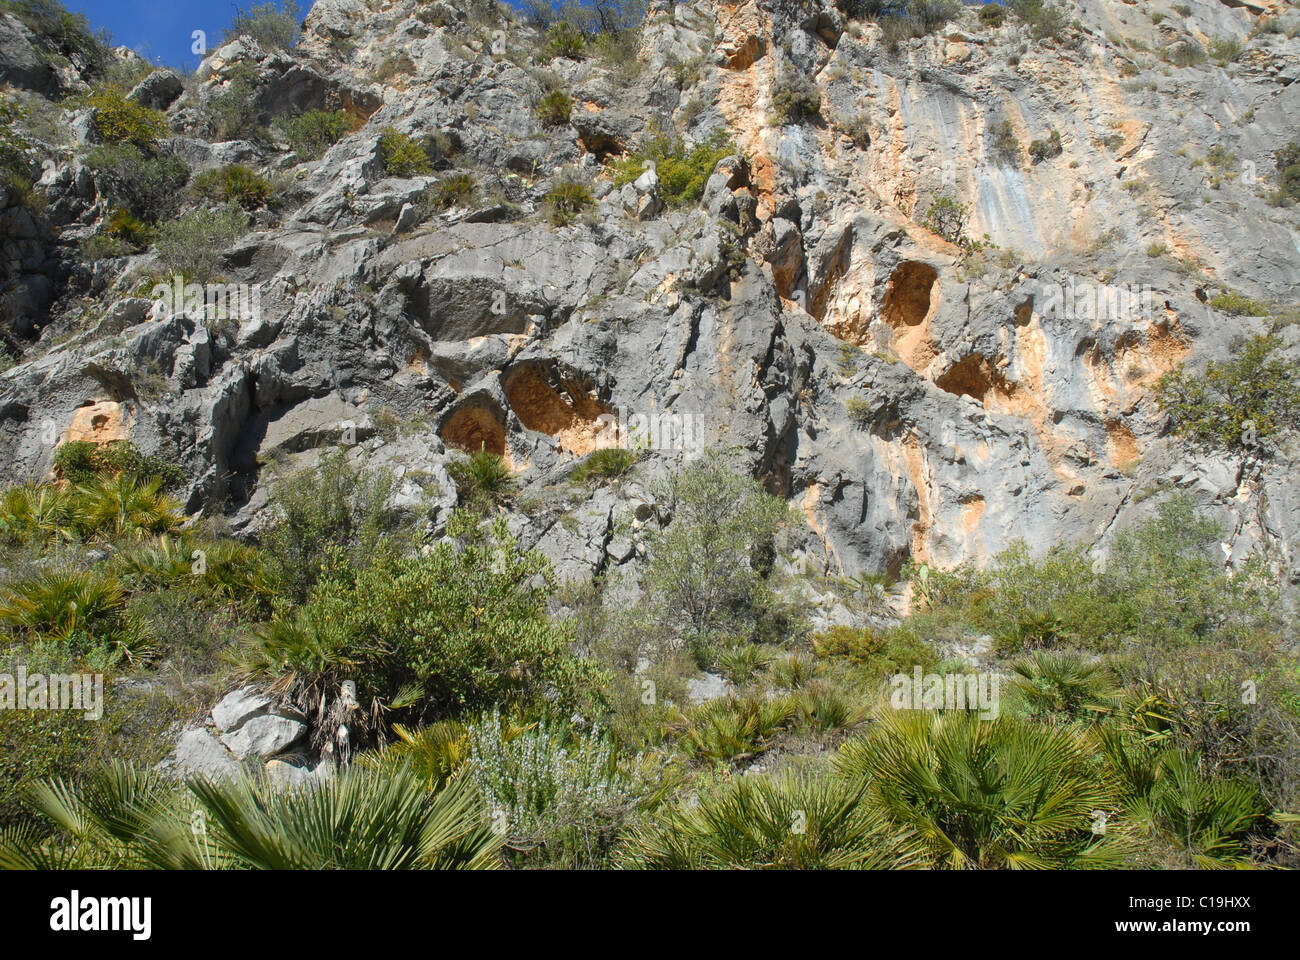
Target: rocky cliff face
{"type": "Point", "coordinates": [914, 397]}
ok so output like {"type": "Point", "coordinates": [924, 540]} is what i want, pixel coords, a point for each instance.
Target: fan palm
{"type": "Point", "coordinates": [788, 822]}
{"type": "Point", "coordinates": [986, 794]}
{"type": "Point", "coordinates": [360, 819]}
{"type": "Point", "coordinates": [1208, 820]}
{"type": "Point", "coordinates": [78, 607]}
{"type": "Point", "coordinates": [38, 512]}
{"type": "Point", "coordinates": [125, 506]}
{"type": "Point", "coordinates": [1063, 683]}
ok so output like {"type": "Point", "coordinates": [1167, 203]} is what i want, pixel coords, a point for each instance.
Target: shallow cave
{"type": "Point", "coordinates": [473, 429]}
{"type": "Point", "coordinates": [549, 403]}
{"type": "Point", "coordinates": [911, 294]}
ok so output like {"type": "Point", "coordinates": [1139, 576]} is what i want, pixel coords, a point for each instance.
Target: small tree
{"type": "Point", "coordinates": [1238, 405]}
{"type": "Point", "coordinates": [708, 565]}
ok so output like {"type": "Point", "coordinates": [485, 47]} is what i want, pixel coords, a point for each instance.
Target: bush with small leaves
{"type": "Point", "coordinates": [795, 97]}
{"type": "Point", "coordinates": [1004, 144]}
{"type": "Point", "coordinates": [1224, 50]}
{"type": "Point", "coordinates": [81, 462]}
{"type": "Point", "coordinates": [555, 108]}
{"type": "Point", "coordinates": [1237, 404]}
{"type": "Point", "coordinates": [235, 183]}
{"type": "Point", "coordinates": [273, 27]}
{"type": "Point", "coordinates": [194, 244]}
{"type": "Point", "coordinates": [683, 173]}
{"type": "Point", "coordinates": [1040, 150]}
{"type": "Point", "coordinates": [401, 155]}
{"type": "Point", "coordinates": [147, 185]}
{"type": "Point", "coordinates": [310, 134]}
{"type": "Point", "coordinates": [993, 14]}
{"type": "Point", "coordinates": [119, 120]}
{"type": "Point", "coordinates": [947, 217]}
{"type": "Point", "coordinates": [1187, 53]}
{"type": "Point", "coordinates": [1045, 20]}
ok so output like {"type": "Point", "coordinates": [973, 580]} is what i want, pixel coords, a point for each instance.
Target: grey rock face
{"type": "Point", "coordinates": [264, 736]}
{"type": "Point", "coordinates": [912, 398]}
{"type": "Point", "coordinates": [199, 753]}
{"type": "Point", "coordinates": [238, 707]}
{"type": "Point", "coordinates": [159, 90]}
{"type": "Point", "coordinates": [19, 63]}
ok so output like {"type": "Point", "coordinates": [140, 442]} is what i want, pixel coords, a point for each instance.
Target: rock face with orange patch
{"type": "Point", "coordinates": [547, 402]}
{"type": "Point", "coordinates": [101, 422]}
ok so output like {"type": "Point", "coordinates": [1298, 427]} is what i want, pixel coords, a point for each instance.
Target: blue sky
{"type": "Point", "coordinates": [162, 29]}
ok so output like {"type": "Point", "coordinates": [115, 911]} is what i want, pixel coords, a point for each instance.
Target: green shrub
{"type": "Point", "coordinates": [193, 244]}
{"type": "Point", "coordinates": [601, 466]}
{"type": "Point", "coordinates": [947, 217]}
{"type": "Point", "coordinates": [992, 14]}
{"type": "Point", "coordinates": [561, 794]}
{"type": "Point", "coordinates": [795, 97]}
{"type": "Point", "coordinates": [235, 183]}
{"type": "Point", "coordinates": [1187, 53]}
{"type": "Point", "coordinates": [310, 134]}
{"type": "Point", "coordinates": [401, 155]}
{"type": "Point", "coordinates": [707, 567]}
{"type": "Point", "coordinates": [459, 626]}
{"type": "Point", "coordinates": [147, 185]}
{"type": "Point", "coordinates": [555, 108]}
{"type": "Point", "coordinates": [1044, 19]}
{"type": "Point", "coordinates": [1240, 403]}
{"type": "Point", "coordinates": [233, 113]}
{"type": "Point", "coordinates": [119, 120]}
{"type": "Point", "coordinates": [13, 148]}
{"type": "Point", "coordinates": [566, 200]}
{"type": "Point", "coordinates": [39, 744]}
{"type": "Point", "coordinates": [565, 40]}
{"type": "Point", "coordinates": [1003, 793]}
{"type": "Point", "coordinates": [682, 173]}
{"type": "Point", "coordinates": [857, 128]}
{"type": "Point", "coordinates": [1040, 150]}
{"type": "Point", "coordinates": [80, 462]}
{"type": "Point", "coordinates": [334, 505]}
{"type": "Point", "coordinates": [1238, 305]}
{"type": "Point", "coordinates": [861, 411]}
{"type": "Point", "coordinates": [274, 28]}
{"type": "Point", "coordinates": [1005, 145]}
{"type": "Point", "coordinates": [1225, 49]}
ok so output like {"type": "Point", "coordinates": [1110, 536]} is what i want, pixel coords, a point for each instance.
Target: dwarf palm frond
{"type": "Point", "coordinates": [787, 822]}
{"type": "Point", "coordinates": [125, 506]}
{"type": "Point", "coordinates": [435, 754]}
{"type": "Point", "coordinates": [36, 513]}
{"type": "Point", "coordinates": [113, 820]}
{"type": "Point", "coordinates": [981, 793]}
{"type": "Point", "coordinates": [360, 819]}
{"type": "Point", "coordinates": [79, 607]}
{"type": "Point", "coordinates": [1208, 820]}
{"type": "Point", "coordinates": [1064, 684]}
